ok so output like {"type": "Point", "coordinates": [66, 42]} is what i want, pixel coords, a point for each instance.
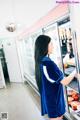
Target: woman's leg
{"type": "Point", "coordinates": [58, 118]}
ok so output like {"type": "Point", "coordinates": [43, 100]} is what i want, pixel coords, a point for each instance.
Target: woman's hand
{"type": "Point", "coordinates": [68, 79]}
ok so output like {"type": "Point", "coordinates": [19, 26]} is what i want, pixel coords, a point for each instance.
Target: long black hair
{"type": "Point", "coordinates": [41, 50]}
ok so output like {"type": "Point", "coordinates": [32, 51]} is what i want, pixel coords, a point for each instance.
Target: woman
{"type": "Point", "coordinates": [50, 79]}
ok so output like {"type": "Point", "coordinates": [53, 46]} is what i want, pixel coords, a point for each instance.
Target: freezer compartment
{"type": "Point", "coordinates": [73, 99]}
{"type": "Point", "coordinates": [73, 103]}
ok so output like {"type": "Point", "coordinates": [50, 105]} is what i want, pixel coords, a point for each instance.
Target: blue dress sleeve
{"type": "Point", "coordinates": [53, 71]}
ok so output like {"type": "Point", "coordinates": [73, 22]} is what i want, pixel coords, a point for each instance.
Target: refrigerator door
{"type": "Point", "coordinates": [52, 31]}
{"type": "Point", "coordinates": [70, 62]}
{"type": "Point", "coordinates": [29, 62]}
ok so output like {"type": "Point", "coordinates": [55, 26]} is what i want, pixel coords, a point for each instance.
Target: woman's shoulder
{"type": "Point", "coordinates": [45, 58]}
{"type": "Point", "coordinates": [47, 61]}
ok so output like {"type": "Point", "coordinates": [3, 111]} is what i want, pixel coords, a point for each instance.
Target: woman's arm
{"type": "Point", "coordinates": [68, 79]}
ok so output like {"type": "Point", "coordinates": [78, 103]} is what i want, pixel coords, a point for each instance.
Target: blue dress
{"type": "Point", "coordinates": [52, 95]}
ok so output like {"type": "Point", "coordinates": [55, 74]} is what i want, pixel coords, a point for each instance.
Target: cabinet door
{"type": "Point", "coordinates": [12, 60]}
{"type": "Point", "coordinates": [2, 80]}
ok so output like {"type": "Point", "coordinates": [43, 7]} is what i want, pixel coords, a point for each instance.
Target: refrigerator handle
{"type": "Point", "coordinates": [76, 52]}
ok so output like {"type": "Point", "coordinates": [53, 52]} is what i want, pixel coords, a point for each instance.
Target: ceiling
{"type": "Point", "coordinates": [23, 13]}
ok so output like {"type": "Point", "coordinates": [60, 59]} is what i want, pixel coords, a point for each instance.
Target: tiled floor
{"type": "Point", "coordinates": [20, 102]}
